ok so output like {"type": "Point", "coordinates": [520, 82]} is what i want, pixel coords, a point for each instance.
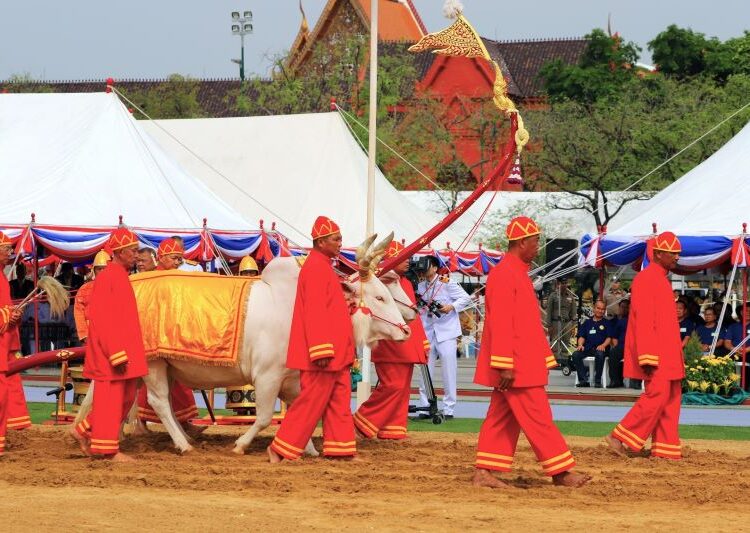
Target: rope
{"type": "Point", "coordinates": [209, 165]}
{"type": "Point", "coordinates": [725, 301]}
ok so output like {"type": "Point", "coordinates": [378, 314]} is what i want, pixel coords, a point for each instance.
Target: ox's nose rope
{"type": "Point", "coordinates": [366, 310]}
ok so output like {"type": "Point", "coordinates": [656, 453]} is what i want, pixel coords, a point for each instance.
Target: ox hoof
{"type": "Point", "coordinates": [312, 453]}
{"type": "Point", "coordinates": [239, 450]}
{"type": "Point", "coordinates": [185, 450]}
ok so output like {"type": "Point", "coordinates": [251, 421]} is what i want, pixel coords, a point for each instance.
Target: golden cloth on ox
{"type": "Point", "coordinates": [192, 315]}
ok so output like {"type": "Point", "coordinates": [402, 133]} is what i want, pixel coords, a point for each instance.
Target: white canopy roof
{"type": "Point", "coordinates": [82, 160]}
{"type": "Point", "coordinates": [710, 200]}
{"type": "Point", "coordinates": [298, 167]}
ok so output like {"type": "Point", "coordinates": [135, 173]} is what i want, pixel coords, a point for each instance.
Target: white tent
{"type": "Point", "coordinates": [297, 166]}
{"type": "Point", "coordinates": [541, 206]}
{"type": "Point", "coordinates": [712, 199]}
{"type": "Point", "coordinates": [82, 160]}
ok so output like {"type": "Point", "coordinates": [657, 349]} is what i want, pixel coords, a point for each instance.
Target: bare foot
{"type": "Point", "coordinates": [484, 478]}
{"type": "Point", "coordinates": [82, 441]}
{"type": "Point", "coordinates": [347, 458]}
{"type": "Point", "coordinates": [120, 457]}
{"type": "Point", "coordinates": [273, 457]}
{"type": "Point", "coordinates": [616, 446]}
{"type": "Point", "coordinates": [571, 479]}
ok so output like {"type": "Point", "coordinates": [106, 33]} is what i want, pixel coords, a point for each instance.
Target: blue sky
{"type": "Point", "coordinates": [85, 39]}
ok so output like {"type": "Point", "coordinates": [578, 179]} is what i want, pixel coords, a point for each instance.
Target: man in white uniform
{"type": "Point", "coordinates": [443, 331]}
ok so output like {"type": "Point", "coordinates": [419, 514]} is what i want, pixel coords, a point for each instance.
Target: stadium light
{"type": "Point", "coordinates": [242, 28]}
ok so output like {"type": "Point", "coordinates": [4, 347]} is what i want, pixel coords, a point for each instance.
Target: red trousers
{"type": "Point", "coordinates": [112, 402]}
{"type": "Point", "coordinates": [18, 413]}
{"type": "Point", "coordinates": [3, 410]}
{"type": "Point", "coordinates": [527, 409]}
{"type": "Point", "coordinates": [180, 397]}
{"type": "Point", "coordinates": [655, 414]}
{"type": "Point", "coordinates": [325, 395]}
{"type": "Point", "coordinates": [385, 412]}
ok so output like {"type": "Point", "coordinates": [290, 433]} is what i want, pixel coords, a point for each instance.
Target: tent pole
{"type": "Point", "coordinates": [743, 372]}
{"type": "Point", "coordinates": [36, 301]}
{"type": "Point", "coordinates": [363, 387]}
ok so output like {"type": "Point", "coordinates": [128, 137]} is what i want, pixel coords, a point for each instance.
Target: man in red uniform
{"type": "Point", "coordinates": [115, 357]}
{"type": "Point", "coordinates": [169, 257]}
{"type": "Point", "coordinates": [385, 412]}
{"type": "Point", "coordinates": [9, 319]}
{"type": "Point", "coordinates": [653, 352]}
{"type": "Point", "coordinates": [321, 347]}
{"type": "Point", "coordinates": [17, 412]}
{"type": "Point", "coordinates": [514, 359]}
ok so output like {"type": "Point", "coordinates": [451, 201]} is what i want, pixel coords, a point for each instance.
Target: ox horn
{"type": "Point", "coordinates": [378, 251]}
{"type": "Point", "coordinates": [362, 256]}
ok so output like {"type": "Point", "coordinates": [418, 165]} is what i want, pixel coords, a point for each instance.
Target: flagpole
{"type": "Point", "coordinates": [363, 387]}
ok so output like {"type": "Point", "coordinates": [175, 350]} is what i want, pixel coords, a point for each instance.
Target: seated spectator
{"type": "Point", "coordinates": [694, 313]}
{"type": "Point", "coordinates": [616, 354]}
{"type": "Point", "coordinates": [68, 278]}
{"type": "Point", "coordinates": [687, 326]}
{"type": "Point", "coordinates": [593, 339]}
{"type": "Point", "coordinates": [734, 335]}
{"type": "Point", "coordinates": [709, 330]}
{"type": "Point", "coordinates": [20, 287]}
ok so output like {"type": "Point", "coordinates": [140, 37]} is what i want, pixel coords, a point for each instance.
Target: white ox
{"type": "Point", "coordinates": [262, 358]}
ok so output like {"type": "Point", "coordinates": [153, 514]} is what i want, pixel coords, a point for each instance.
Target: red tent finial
{"type": "Point", "coordinates": [120, 222]}
{"type": "Point", "coordinates": [653, 227]}
{"type": "Point", "coordinates": [33, 217]}
{"type": "Point", "coordinates": [273, 226]}
{"type": "Point", "coordinates": [261, 223]}
{"type": "Point", "coordinates": [205, 222]}
{"type": "Point", "coordinates": [744, 227]}
{"type": "Point", "coordinates": [333, 103]}
{"type": "Point", "coordinates": [480, 245]}
{"type": "Point", "coordinates": [110, 84]}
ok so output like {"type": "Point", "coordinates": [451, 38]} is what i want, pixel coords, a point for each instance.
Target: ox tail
{"type": "Point", "coordinates": [85, 407]}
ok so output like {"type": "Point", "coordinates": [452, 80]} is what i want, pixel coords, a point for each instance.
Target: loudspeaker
{"type": "Point", "coordinates": [560, 247]}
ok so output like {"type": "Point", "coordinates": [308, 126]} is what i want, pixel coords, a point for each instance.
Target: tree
{"type": "Point", "coordinates": [683, 53]}
{"type": "Point", "coordinates": [590, 149]}
{"type": "Point", "coordinates": [175, 98]}
{"type": "Point", "coordinates": [606, 65]}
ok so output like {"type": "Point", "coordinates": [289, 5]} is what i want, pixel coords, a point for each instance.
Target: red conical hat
{"type": "Point", "coordinates": [170, 247]}
{"type": "Point", "coordinates": [121, 238]}
{"type": "Point", "coordinates": [324, 227]}
{"type": "Point", "coordinates": [667, 242]}
{"type": "Point", "coordinates": [520, 228]}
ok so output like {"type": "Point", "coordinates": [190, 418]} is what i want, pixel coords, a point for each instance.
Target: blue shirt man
{"type": "Point", "coordinates": [709, 330]}
{"type": "Point", "coordinates": [593, 340]}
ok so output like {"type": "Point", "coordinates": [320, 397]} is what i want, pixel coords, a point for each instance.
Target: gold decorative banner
{"type": "Point", "coordinates": [461, 39]}
{"type": "Point", "coordinates": [192, 315]}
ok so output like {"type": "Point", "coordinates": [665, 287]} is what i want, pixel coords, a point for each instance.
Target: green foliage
{"type": "Point", "coordinates": [175, 98]}
{"type": "Point", "coordinates": [589, 148]}
{"type": "Point", "coordinates": [605, 67]}
{"type": "Point", "coordinates": [684, 53]}
{"type": "Point", "coordinates": [24, 83]}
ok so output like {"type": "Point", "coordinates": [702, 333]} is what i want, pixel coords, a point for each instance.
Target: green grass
{"type": "Point", "coordinates": [587, 429]}
{"type": "Point", "coordinates": [42, 411]}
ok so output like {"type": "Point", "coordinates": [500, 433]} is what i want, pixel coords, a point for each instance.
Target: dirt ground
{"type": "Point", "coordinates": [416, 485]}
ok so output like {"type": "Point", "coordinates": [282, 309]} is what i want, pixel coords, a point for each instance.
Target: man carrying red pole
{"type": "Point", "coordinates": [321, 347]}
{"type": "Point", "coordinates": [16, 409]}
{"type": "Point", "coordinates": [9, 319]}
{"type": "Point", "coordinates": [514, 359]}
{"type": "Point", "coordinates": [115, 357]}
{"type": "Point", "coordinates": [384, 415]}
{"type": "Point", "coordinates": [653, 352]}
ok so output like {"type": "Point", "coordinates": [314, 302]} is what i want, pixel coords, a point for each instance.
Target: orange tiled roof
{"type": "Point", "coordinates": [397, 20]}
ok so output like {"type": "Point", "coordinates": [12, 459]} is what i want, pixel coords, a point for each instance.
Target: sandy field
{"type": "Point", "coordinates": [417, 485]}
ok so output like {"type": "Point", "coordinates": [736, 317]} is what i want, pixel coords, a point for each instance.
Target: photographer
{"type": "Point", "coordinates": [441, 301]}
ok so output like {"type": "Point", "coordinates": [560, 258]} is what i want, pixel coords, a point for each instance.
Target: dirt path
{"type": "Point", "coordinates": [419, 485]}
